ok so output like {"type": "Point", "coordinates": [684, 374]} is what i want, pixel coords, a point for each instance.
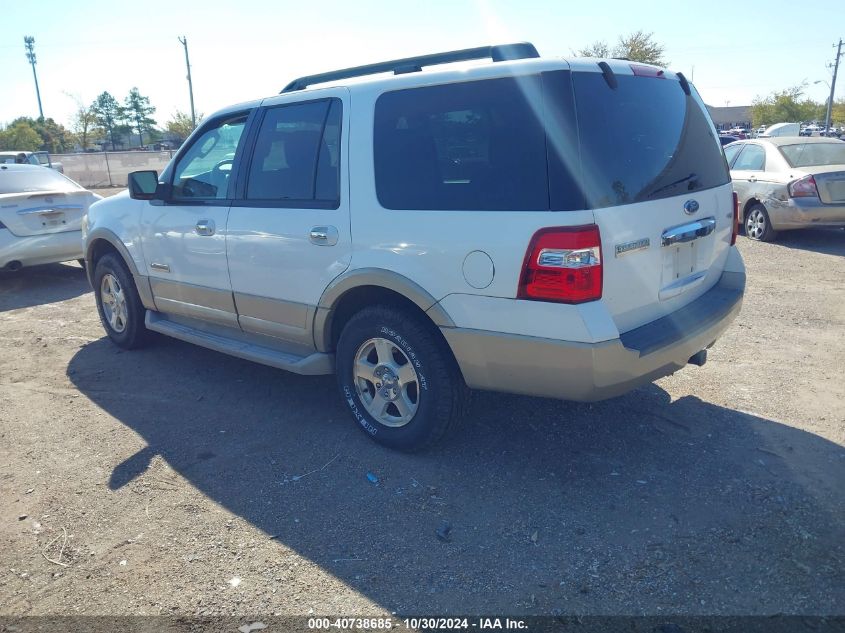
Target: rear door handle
{"type": "Point", "coordinates": [688, 232]}
{"type": "Point", "coordinates": [752, 179]}
{"type": "Point", "coordinates": [323, 235]}
{"type": "Point", "coordinates": [205, 227]}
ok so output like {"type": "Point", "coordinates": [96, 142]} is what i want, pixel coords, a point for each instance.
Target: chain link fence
{"type": "Point", "coordinates": [109, 169]}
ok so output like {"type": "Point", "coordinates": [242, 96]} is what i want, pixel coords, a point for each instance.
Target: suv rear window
{"type": "Point", "coordinates": [644, 140]}
{"type": "Point", "coordinates": [559, 140]}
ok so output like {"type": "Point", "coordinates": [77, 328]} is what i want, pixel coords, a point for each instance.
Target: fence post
{"type": "Point", "coordinates": [108, 169]}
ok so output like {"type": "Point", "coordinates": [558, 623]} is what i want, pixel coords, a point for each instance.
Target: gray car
{"type": "Point", "coordinates": [788, 183]}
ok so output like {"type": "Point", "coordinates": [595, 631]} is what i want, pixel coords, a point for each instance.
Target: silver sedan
{"type": "Point", "coordinates": [788, 183]}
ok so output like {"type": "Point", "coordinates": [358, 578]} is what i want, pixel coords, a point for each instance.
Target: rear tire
{"type": "Point", "coordinates": [399, 378]}
{"type": "Point", "coordinates": [120, 308]}
{"type": "Point", "coordinates": [758, 227]}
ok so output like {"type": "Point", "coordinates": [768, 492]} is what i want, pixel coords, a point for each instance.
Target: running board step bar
{"type": "Point", "coordinates": [312, 365]}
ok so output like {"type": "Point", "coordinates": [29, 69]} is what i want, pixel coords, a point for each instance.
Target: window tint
{"type": "Point", "coordinates": [41, 179]}
{"type": "Point", "coordinates": [297, 153]}
{"type": "Point", "coordinates": [810, 154]}
{"type": "Point", "coordinates": [476, 146]}
{"type": "Point", "coordinates": [752, 158]}
{"type": "Point", "coordinates": [644, 140]}
{"type": "Point", "coordinates": [731, 151]}
{"type": "Point", "coordinates": [203, 172]}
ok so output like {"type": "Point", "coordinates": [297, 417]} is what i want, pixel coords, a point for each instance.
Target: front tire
{"type": "Point", "coordinates": [399, 378]}
{"type": "Point", "coordinates": [758, 226]}
{"type": "Point", "coordinates": [120, 308]}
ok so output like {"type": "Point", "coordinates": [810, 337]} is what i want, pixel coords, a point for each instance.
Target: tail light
{"type": "Point", "coordinates": [735, 229]}
{"type": "Point", "coordinates": [563, 265]}
{"type": "Point", "coordinates": [803, 188]}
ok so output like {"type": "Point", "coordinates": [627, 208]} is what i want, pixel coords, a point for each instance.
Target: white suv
{"type": "Point", "coordinates": [536, 226]}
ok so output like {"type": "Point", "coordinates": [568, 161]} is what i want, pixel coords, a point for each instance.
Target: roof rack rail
{"type": "Point", "coordinates": [498, 53]}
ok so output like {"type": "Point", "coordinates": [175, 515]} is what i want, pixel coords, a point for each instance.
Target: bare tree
{"type": "Point", "coordinates": [636, 47]}
{"type": "Point", "coordinates": [596, 49]}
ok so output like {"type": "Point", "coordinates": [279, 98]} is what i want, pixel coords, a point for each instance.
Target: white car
{"type": "Point", "coordinates": [31, 158]}
{"type": "Point", "coordinates": [534, 226]}
{"type": "Point", "coordinates": [40, 216]}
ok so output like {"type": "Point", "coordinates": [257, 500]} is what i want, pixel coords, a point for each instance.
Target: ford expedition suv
{"type": "Point", "coordinates": [535, 226]}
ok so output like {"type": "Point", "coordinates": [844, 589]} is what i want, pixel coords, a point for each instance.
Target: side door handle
{"type": "Point", "coordinates": [323, 235]}
{"type": "Point", "coordinates": [752, 179]}
{"type": "Point", "coordinates": [205, 227]}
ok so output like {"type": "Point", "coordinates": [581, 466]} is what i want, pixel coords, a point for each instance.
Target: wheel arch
{"type": "Point", "coordinates": [102, 241]}
{"type": "Point", "coordinates": [367, 286]}
{"type": "Point", "coordinates": [747, 207]}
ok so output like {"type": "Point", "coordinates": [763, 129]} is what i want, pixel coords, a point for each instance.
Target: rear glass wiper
{"type": "Point", "coordinates": [691, 177]}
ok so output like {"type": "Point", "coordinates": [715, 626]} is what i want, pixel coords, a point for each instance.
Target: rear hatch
{"type": "Point", "coordinates": [39, 201]}
{"type": "Point", "coordinates": [654, 174]}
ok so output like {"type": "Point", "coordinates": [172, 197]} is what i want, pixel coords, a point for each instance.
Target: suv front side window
{"type": "Point", "coordinates": [203, 172]}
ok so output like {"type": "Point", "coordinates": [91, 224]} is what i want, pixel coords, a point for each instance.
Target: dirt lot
{"type": "Point", "coordinates": [180, 481]}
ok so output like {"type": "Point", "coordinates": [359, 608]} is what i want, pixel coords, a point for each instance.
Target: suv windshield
{"type": "Point", "coordinates": [644, 140]}
{"type": "Point", "coordinates": [814, 154]}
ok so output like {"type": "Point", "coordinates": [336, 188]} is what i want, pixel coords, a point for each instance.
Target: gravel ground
{"type": "Point", "coordinates": [175, 480]}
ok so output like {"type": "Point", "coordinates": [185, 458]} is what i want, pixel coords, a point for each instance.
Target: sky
{"type": "Point", "coordinates": [246, 49]}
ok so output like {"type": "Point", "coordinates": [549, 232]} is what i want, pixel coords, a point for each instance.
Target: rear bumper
{"type": "Point", "coordinates": [801, 213]}
{"type": "Point", "coordinates": [596, 371]}
{"type": "Point", "coordinates": [40, 249]}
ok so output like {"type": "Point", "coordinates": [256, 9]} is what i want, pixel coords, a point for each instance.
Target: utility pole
{"type": "Point", "coordinates": [184, 41]}
{"type": "Point", "coordinates": [29, 43]}
{"type": "Point", "coordinates": [832, 88]}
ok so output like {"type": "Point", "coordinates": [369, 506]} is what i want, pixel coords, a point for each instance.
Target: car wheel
{"type": "Point", "coordinates": [757, 224]}
{"type": "Point", "coordinates": [120, 308]}
{"type": "Point", "coordinates": [399, 378]}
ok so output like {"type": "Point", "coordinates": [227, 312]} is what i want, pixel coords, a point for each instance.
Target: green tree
{"type": "Point", "coordinates": [785, 106]}
{"type": "Point", "coordinates": [180, 125]}
{"type": "Point", "coordinates": [109, 115]}
{"type": "Point", "coordinates": [138, 111]}
{"type": "Point", "coordinates": [54, 137]}
{"type": "Point", "coordinates": [837, 113]}
{"type": "Point", "coordinates": [20, 136]}
{"type": "Point", "coordinates": [637, 47]}
{"type": "Point", "coordinates": [641, 47]}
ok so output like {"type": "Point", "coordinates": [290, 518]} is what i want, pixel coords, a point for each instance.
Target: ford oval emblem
{"type": "Point", "coordinates": [690, 207]}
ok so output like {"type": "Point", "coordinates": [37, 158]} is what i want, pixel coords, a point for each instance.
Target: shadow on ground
{"type": "Point", "coordinates": [636, 505]}
{"type": "Point", "coordinates": [827, 241]}
{"type": "Point", "coordinates": [41, 284]}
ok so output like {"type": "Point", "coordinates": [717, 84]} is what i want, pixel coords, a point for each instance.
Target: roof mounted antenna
{"type": "Point", "coordinates": [497, 53]}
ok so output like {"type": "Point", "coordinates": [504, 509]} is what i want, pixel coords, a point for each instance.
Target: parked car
{"type": "Point", "coordinates": [427, 241]}
{"type": "Point", "coordinates": [41, 214]}
{"type": "Point", "coordinates": [31, 158]}
{"type": "Point", "coordinates": [788, 183]}
{"type": "Point", "coordinates": [725, 139]}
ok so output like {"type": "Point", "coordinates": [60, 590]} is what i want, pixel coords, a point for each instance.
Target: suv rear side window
{"type": "Point", "coordinates": [644, 140]}
{"type": "Point", "coordinates": [297, 153]}
{"type": "Point", "coordinates": [477, 145]}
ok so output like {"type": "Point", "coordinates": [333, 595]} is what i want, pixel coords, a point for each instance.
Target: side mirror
{"type": "Point", "coordinates": [143, 185]}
